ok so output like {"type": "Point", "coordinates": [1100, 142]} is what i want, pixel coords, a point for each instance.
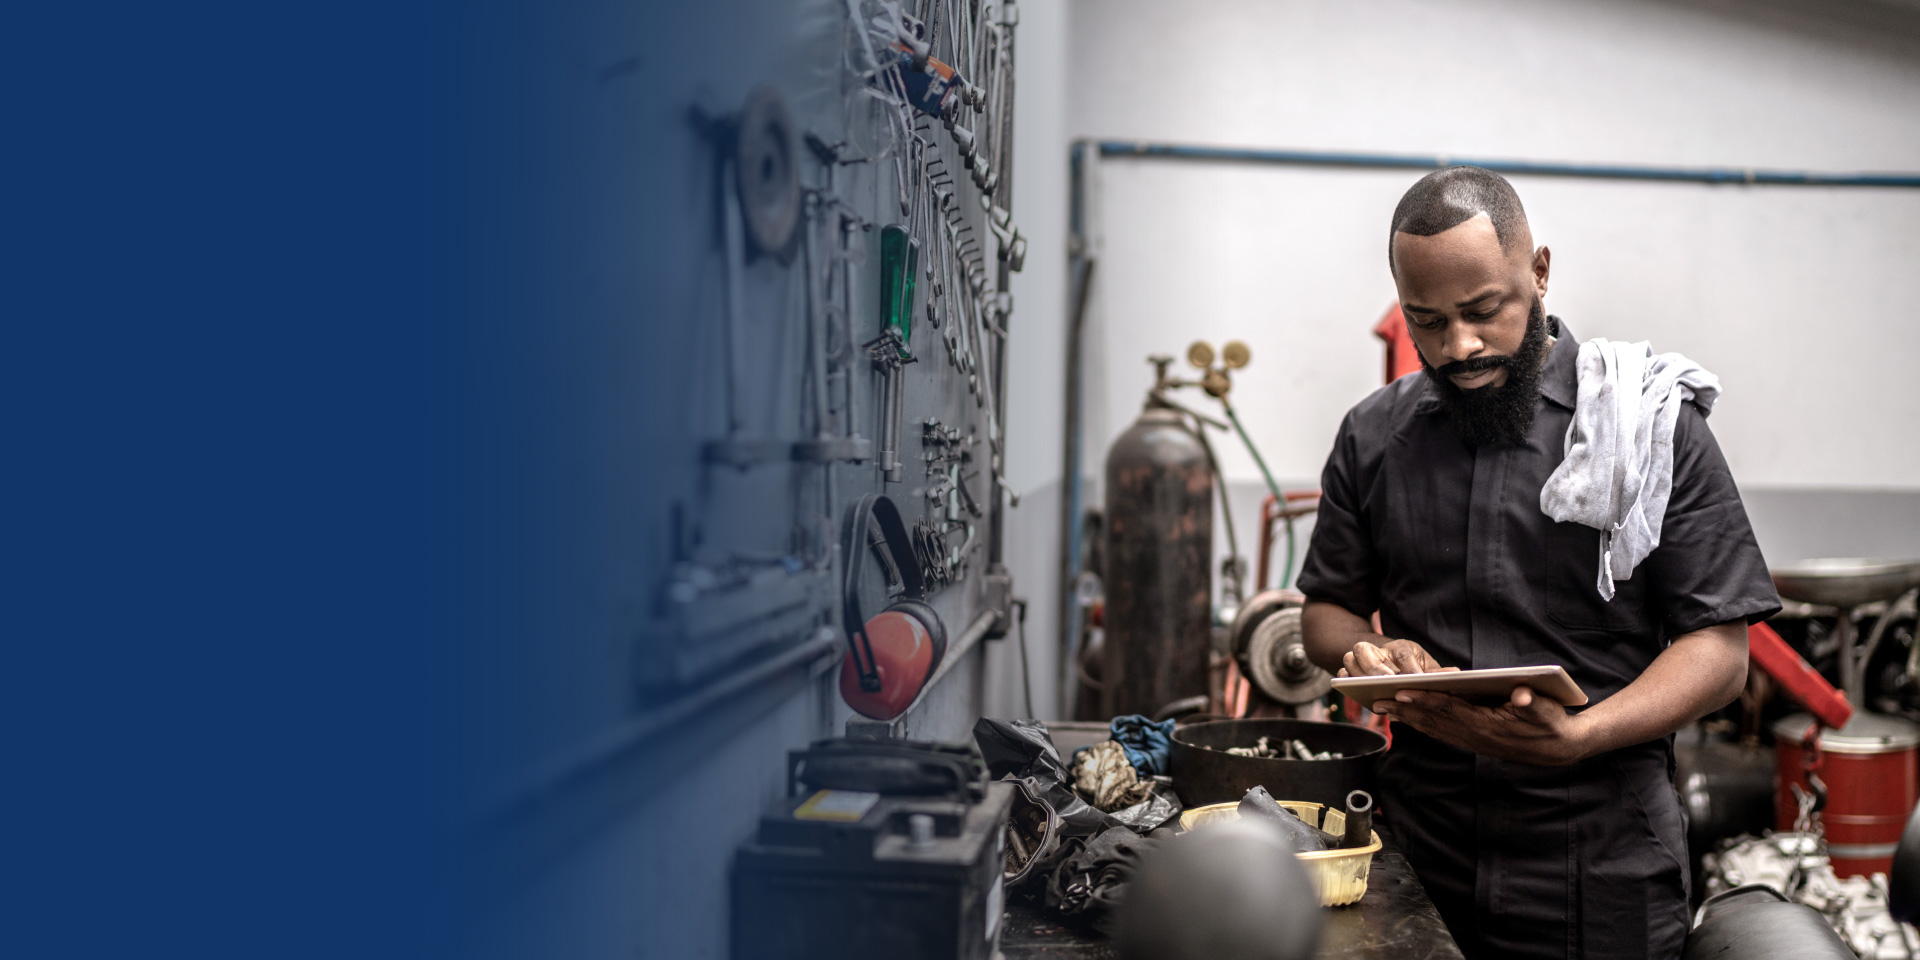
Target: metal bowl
{"type": "Point", "coordinates": [1846, 581]}
{"type": "Point", "coordinates": [1203, 772]}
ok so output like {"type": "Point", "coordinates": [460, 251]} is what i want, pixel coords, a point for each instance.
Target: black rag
{"type": "Point", "coordinates": [1087, 884]}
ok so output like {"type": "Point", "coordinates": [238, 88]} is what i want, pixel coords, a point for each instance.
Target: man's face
{"type": "Point", "coordinates": [1466, 300]}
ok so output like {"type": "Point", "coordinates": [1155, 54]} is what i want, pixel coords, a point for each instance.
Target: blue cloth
{"type": "Point", "coordinates": [1149, 745]}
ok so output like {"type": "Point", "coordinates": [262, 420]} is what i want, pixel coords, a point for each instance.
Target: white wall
{"type": "Point", "coordinates": [1794, 296]}
{"type": "Point", "coordinates": [1035, 357]}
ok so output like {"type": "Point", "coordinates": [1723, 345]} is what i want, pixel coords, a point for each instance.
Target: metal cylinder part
{"type": "Point", "coordinates": [1359, 830]}
{"type": "Point", "coordinates": [1159, 559]}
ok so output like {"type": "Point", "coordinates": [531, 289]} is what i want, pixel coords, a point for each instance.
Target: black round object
{"type": "Point", "coordinates": [1232, 891]}
{"type": "Point", "coordinates": [1727, 790]}
{"type": "Point", "coordinates": [766, 164]}
{"type": "Point", "coordinates": [1763, 928]}
{"type": "Point", "coordinates": [1203, 772]}
{"type": "Point", "coordinates": [1903, 882]}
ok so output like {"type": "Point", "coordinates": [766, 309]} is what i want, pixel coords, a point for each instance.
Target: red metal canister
{"type": "Point", "coordinates": [1870, 770]}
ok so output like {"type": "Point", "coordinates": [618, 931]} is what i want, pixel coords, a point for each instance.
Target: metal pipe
{"type": "Point", "coordinates": [1325, 158]}
{"type": "Point", "coordinates": [956, 652]}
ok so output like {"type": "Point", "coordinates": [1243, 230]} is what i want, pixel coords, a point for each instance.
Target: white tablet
{"type": "Point", "coordinates": [1496, 684]}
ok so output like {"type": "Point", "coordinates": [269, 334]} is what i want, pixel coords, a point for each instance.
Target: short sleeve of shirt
{"type": "Point", "coordinates": [1707, 568]}
{"type": "Point", "coordinates": [1342, 566]}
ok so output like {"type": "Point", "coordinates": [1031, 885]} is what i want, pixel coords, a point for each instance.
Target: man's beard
{"type": "Point", "coordinates": [1488, 416]}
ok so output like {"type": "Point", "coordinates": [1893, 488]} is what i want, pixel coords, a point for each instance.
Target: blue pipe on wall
{"type": "Point", "coordinates": [1318, 158]}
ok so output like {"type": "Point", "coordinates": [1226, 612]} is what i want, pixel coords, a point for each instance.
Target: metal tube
{"type": "Point", "coordinates": [1322, 158]}
{"type": "Point", "coordinates": [1075, 494]}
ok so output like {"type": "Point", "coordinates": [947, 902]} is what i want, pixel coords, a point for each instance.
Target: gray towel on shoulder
{"type": "Point", "coordinates": [1618, 472]}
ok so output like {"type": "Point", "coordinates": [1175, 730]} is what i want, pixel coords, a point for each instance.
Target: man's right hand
{"type": "Point", "coordinates": [1390, 657]}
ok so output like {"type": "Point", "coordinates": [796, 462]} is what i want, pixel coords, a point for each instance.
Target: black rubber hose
{"type": "Point", "coordinates": [1258, 804]}
{"type": "Point", "coordinates": [1359, 820]}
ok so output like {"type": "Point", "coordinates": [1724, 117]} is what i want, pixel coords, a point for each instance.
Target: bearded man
{"type": "Point", "coordinates": [1538, 830]}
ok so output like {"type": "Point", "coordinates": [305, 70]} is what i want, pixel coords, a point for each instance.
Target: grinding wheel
{"type": "Point", "coordinates": [766, 164]}
{"type": "Point", "coordinates": [1267, 641]}
{"type": "Point", "coordinates": [1276, 660]}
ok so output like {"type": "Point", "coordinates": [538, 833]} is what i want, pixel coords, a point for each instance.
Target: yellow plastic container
{"type": "Point", "coordinates": [1339, 876]}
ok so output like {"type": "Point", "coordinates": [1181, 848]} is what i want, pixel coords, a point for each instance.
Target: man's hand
{"type": "Point", "coordinates": [1391, 657]}
{"type": "Point", "coordinates": [1529, 728]}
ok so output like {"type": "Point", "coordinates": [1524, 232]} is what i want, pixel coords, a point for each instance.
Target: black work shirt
{"type": "Point", "coordinates": [1448, 543]}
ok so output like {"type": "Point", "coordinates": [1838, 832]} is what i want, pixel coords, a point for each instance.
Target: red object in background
{"type": "Point", "coordinates": [1402, 358]}
{"type": "Point", "coordinates": [1869, 775]}
{"type": "Point", "coordinates": [1271, 512]}
{"type": "Point", "coordinates": [1801, 681]}
{"type": "Point", "coordinates": [904, 655]}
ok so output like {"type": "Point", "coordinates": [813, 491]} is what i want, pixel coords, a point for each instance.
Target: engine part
{"type": "Point", "coordinates": [1159, 564]}
{"type": "Point", "coordinates": [1796, 865]}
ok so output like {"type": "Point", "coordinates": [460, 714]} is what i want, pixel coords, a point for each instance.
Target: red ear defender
{"type": "Point", "coordinates": [891, 656]}
{"type": "Point", "coordinates": [903, 658]}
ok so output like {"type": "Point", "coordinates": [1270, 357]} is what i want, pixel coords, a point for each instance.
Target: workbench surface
{"type": "Point", "coordinates": [1394, 921]}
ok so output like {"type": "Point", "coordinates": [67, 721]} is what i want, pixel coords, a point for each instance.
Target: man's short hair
{"type": "Point", "coordinates": [1450, 196]}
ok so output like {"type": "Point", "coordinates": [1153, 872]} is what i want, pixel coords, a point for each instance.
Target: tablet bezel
{"type": "Point", "coordinates": [1549, 680]}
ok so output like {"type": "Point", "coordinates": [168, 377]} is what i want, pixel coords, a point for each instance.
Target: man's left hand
{"type": "Point", "coordinates": [1529, 728]}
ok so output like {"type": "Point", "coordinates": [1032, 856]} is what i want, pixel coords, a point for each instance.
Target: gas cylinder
{"type": "Point", "coordinates": [1159, 557]}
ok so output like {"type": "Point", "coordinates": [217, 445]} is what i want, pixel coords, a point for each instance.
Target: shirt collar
{"type": "Point", "coordinates": [1559, 376]}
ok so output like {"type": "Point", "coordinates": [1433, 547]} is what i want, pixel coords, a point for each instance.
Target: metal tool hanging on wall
{"type": "Point", "coordinates": [766, 167]}
{"type": "Point", "coordinates": [760, 206]}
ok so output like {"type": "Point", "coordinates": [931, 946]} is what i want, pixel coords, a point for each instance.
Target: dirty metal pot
{"type": "Point", "coordinates": [1203, 772]}
{"type": "Point", "coordinates": [1159, 604]}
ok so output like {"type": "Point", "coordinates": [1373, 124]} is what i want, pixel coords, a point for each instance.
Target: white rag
{"type": "Point", "coordinates": [1618, 472]}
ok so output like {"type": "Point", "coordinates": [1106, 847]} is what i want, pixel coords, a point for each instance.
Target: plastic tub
{"type": "Point", "coordinates": [1339, 876]}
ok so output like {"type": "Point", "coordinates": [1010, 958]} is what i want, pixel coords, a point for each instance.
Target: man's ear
{"type": "Point", "coordinates": [1542, 265]}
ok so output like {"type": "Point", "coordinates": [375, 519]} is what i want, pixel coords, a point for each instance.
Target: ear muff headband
{"type": "Point", "coordinates": [861, 518]}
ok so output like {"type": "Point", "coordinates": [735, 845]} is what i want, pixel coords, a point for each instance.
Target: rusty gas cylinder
{"type": "Point", "coordinates": [1159, 558]}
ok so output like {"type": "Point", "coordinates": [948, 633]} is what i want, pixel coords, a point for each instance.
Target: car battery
{"type": "Point", "coordinates": [887, 849]}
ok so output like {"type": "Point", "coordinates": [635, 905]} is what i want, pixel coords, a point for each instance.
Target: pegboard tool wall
{"type": "Point", "coordinates": [683, 381]}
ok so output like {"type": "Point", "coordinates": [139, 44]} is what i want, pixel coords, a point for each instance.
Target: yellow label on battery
{"type": "Point", "coordinates": [843, 805]}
